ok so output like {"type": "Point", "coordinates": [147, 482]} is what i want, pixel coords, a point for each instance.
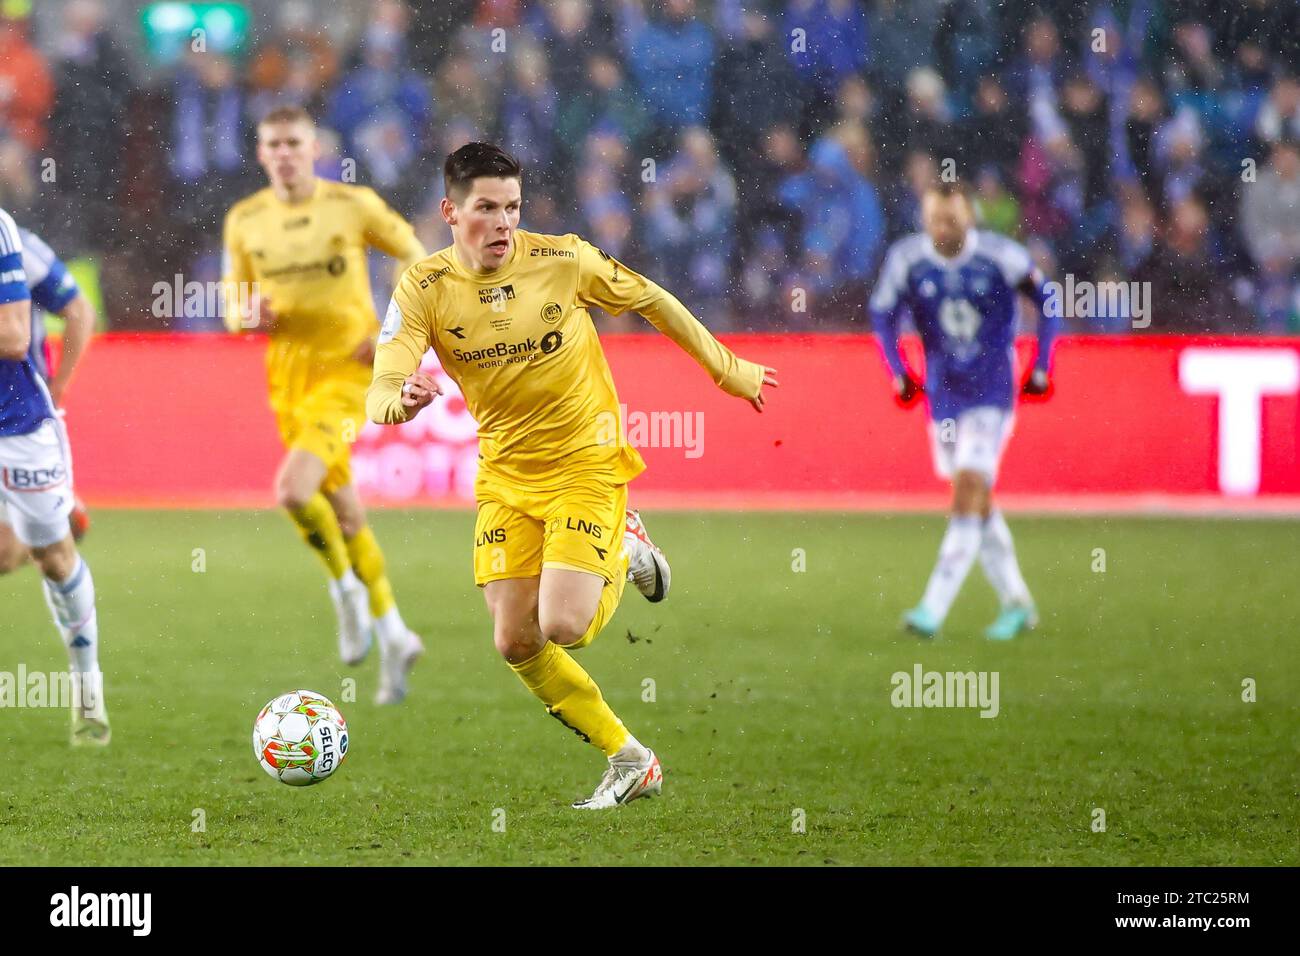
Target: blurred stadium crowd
{"type": "Point", "coordinates": [735, 151]}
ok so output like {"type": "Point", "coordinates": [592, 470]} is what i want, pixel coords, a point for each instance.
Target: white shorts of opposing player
{"type": "Point", "coordinates": [35, 499]}
{"type": "Point", "coordinates": [974, 441]}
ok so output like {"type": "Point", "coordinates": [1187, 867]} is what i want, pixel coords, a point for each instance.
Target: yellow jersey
{"type": "Point", "coordinates": [308, 260]}
{"type": "Point", "coordinates": [521, 345]}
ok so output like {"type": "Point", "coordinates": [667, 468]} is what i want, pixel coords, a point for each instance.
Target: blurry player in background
{"type": "Point", "coordinates": [506, 311]}
{"type": "Point", "coordinates": [302, 244]}
{"type": "Point", "coordinates": [52, 290]}
{"type": "Point", "coordinates": [36, 490]}
{"type": "Point", "coordinates": [961, 287]}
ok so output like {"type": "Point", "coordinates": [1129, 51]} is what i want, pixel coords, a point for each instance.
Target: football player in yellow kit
{"type": "Point", "coordinates": [300, 245]}
{"type": "Point", "coordinates": [506, 311]}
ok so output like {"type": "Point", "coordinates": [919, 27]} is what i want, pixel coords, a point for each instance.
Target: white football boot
{"type": "Point", "coordinates": [625, 782]}
{"type": "Point", "coordinates": [647, 567]}
{"type": "Point", "coordinates": [89, 723]}
{"type": "Point", "coordinates": [394, 666]}
{"type": "Point", "coordinates": [352, 605]}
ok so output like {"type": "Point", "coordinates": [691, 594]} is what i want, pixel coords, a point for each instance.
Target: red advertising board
{"type": "Point", "coordinates": [183, 420]}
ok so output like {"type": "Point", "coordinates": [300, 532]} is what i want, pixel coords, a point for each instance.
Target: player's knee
{"type": "Point", "coordinates": [56, 561]}
{"type": "Point", "coordinates": [351, 522]}
{"type": "Point", "coordinates": [517, 645]}
{"type": "Point", "coordinates": [290, 497]}
{"type": "Point", "coordinates": [564, 627]}
{"type": "Point", "coordinates": [970, 493]}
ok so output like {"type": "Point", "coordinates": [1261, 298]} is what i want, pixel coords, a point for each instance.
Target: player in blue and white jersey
{"type": "Point", "coordinates": [962, 287]}
{"type": "Point", "coordinates": [53, 290]}
{"type": "Point", "coordinates": [36, 491]}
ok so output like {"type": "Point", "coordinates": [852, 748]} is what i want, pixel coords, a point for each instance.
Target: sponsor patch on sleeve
{"type": "Point", "coordinates": [392, 322]}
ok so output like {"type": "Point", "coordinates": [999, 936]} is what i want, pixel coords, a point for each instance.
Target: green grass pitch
{"type": "Point", "coordinates": [772, 695]}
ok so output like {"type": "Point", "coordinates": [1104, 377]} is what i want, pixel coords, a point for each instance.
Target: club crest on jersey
{"type": "Point", "coordinates": [551, 313]}
{"type": "Point", "coordinates": [392, 322]}
{"type": "Point", "coordinates": [501, 293]}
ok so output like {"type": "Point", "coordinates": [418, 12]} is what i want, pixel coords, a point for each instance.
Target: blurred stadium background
{"type": "Point", "coordinates": [745, 155]}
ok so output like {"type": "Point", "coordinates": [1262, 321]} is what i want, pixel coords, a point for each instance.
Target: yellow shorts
{"type": "Point", "coordinates": [520, 531]}
{"type": "Point", "coordinates": [324, 417]}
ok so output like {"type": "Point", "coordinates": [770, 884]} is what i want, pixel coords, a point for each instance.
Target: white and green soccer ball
{"type": "Point", "coordinates": [300, 738]}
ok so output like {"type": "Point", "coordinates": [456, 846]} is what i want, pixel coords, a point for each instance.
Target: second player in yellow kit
{"type": "Point", "coordinates": [506, 311]}
{"type": "Point", "coordinates": [295, 267]}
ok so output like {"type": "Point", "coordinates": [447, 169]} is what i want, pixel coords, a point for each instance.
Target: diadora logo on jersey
{"type": "Point", "coordinates": [610, 259]}
{"type": "Point", "coordinates": [551, 313]}
{"type": "Point", "coordinates": [34, 479]}
{"type": "Point", "coordinates": [433, 277]}
{"type": "Point", "coordinates": [501, 293]}
{"type": "Point", "coordinates": [458, 331]}
{"type": "Point", "coordinates": [546, 251]}
{"type": "Point", "coordinates": [495, 536]}
{"type": "Point", "coordinates": [297, 223]}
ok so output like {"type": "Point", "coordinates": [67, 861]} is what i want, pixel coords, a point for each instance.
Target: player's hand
{"type": "Point", "coordinates": [907, 390]}
{"type": "Point", "coordinates": [418, 391]}
{"type": "Point", "coordinates": [769, 378]}
{"type": "Point", "coordinates": [365, 352]}
{"type": "Point", "coordinates": [260, 316]}
{"type": "Point", "coordinates": [1036, 385]}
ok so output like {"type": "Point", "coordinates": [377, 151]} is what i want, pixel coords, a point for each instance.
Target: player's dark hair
{"type": "Point", "coordinates": [474, 160]}
{"type": "Point", "coordinates": [946, 189]}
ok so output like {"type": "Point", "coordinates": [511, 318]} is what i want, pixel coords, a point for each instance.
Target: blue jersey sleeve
{"type": "Point", "coordinates": [1026, 278]}
{"type": "Point", "coordinates": [52, 286]}
{"type": "Point", "coordinates": [884, 307]}
{"type": "Point", "coordinates": [56, 290]}
{"type": "Point", "coordinates": [13, 279]}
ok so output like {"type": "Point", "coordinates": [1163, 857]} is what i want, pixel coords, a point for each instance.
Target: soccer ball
{"type": "Point", "coordinates": [300, 738]}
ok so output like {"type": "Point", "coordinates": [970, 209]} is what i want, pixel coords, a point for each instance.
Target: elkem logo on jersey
{"type": "Point", "coordinates": [547, 251]}
{"type": "Point", "coordinates": [34, 479]}
{"type": "Point", "coordinates": [433, 277]}
{"type": "Point", "coordinates": [501, 293]}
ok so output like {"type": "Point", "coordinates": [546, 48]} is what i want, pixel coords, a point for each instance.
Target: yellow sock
{"type": "Point", "coordinates": [572, 698]}
{"type": "Point", "coordinates": [368, 561]}
{"type": "Point", "coordinates": [610, 595]}
{"type": "Point", "coordinates": [319, 527]}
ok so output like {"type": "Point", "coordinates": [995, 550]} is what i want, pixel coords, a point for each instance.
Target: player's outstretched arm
{"type": "Point", "coordinates": [1034, 285]}
{"type": "Point", "coordinates": [607, 283]}
{"type": "Point", "coordinates": [884, 307]}
{"type": "Point", "coordinates": [389, 232]}
{"type": "Point", "coordinates": [79, 314]}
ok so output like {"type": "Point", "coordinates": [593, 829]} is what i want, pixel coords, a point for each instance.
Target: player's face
{"type": "Point", "coordinates": [947, 220]}
{"type": "Point", "coordinates": [287, 151]}
{"type": "Point", "coordinates": [484, 223]}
